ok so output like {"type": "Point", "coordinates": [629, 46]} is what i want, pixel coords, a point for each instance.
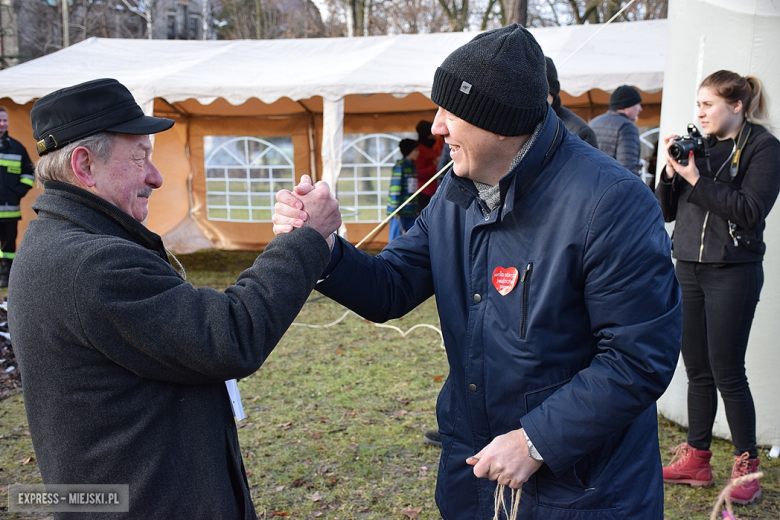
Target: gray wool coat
{"type": "Point", "coordinates": [123, 362]}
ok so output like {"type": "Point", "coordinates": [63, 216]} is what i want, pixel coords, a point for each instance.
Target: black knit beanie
{"type": "Point", "coordinates": [624, 97]}
{"type": "Point", "coordinates": [552, 77]}
{"type": "Point", "coordinates": [496, 82]}
{"type": "Point", "coordinates": [407, 146]}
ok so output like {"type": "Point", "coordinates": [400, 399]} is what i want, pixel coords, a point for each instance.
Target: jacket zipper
{"type": "Point", "coordinates": [703, 230]}
{"type": "Point", "coordinates": [525, 279]}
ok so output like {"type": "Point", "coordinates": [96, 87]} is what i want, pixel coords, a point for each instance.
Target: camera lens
{"type": "Point", "coordinates": [680, 150]}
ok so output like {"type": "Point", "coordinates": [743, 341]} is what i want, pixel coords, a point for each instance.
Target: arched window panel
{"type": "Point", "coordinates": [367, 162]}
{"type": "Point", "coordinates": [244, 173]}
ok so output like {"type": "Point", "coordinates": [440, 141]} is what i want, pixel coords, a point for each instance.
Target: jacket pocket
{"type": "Point", "coordinates": [588, 485]}
{"type": "Point", "coordinates": [537, 397]}
{"type": "Point", "coordinates": [447, 415]}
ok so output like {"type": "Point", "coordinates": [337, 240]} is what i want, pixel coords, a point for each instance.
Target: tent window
{"type": "Point", "coordinates": [243, 175]}
{"type": "Point", "coordinates": [366, 167]}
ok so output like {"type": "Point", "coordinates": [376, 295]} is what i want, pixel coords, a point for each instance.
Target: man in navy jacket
{"type": "Point", "coordinates": [557, 298]}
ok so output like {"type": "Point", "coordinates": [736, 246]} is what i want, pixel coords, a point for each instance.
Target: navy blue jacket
{"type": "Point", "coordinates": [577, 353]}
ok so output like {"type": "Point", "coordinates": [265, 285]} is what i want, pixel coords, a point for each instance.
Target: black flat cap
{"type": "Point", "coordinates": [101, 105]}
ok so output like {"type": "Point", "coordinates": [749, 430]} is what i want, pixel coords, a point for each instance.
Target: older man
{"type": "Point", "coordinates": [123, 361]}
{"type": "Point", "coordinates": [557, 298]}
{"type": "Point", "coordinates": [616, 130]}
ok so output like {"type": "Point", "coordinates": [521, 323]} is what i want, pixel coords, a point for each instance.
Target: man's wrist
{"type": "Point", "coordinates": [532, 451]}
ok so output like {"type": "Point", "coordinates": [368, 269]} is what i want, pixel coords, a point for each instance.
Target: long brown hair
{"type": "Point", "coordinates": [732, 87]}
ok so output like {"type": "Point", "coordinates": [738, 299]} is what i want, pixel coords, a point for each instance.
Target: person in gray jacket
{"type": "Point", "coordinates": [616, 130]}
{"type": "Point", "coordinates": [124, 362]}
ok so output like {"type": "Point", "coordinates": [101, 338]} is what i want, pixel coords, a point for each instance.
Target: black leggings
{"type": "Point", "coordinates": [719, 301]}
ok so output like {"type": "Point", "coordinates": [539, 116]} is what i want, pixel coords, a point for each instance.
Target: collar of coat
{"type": "Point", "coordinates": [519, 178]}
{"type": "Point", "coordinates": [95, 214]}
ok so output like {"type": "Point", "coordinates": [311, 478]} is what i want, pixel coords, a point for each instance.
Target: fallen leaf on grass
{"type": "Point", "coordinates": [316, 436]}
{"type": "Point", "coordinates": [286, 426]}
{"type": "Point", "coordinates": [301, 482]}
{"type": "Point", "coordinates": [280, 488]}
{"type": "Point", "coordinates": [411, 512]}
{"type": "Point", "coordinates": [26, 461]}
{"type": "Point", "coordinates": [281, 513]}
{"type": "Point", "coordinates": [316, 497]}
{"type": "Point", "coordinates": [438, 378]}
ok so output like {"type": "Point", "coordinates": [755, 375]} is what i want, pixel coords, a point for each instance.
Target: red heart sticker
{"type": "Point", "coordinates": [504, 280]}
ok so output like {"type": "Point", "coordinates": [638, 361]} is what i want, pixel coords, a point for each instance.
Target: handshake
{"type": "Point", "coordinates": [310, 205]}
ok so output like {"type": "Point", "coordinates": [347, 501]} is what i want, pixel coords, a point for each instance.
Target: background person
{"type": "Point", "coordinates": [556, 293]}
{"type": "Point", "coordinates": [124, 362]}
{"type": "Point", "coordinates": [616, 131]}
{"type": "Point", "coordinates": [719, 208]}
{"type": "Point", "coordinates": [573, 122]}
{"type": "Point", "coordinates": [429, 152]}
{"type": "Point", "coordinates": [16, 179]}
{"type": "Point", "coordinates": [403, 184]}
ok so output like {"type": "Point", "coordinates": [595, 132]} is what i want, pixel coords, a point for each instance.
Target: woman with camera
{"type": "Point", "coordinates": [719, 191]}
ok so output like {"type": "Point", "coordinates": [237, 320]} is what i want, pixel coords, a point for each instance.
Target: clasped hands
{"type": "Point", "coordinates": [311, 205]}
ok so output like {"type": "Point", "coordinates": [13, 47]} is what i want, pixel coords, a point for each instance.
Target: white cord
{"type": "Point", "coordinates": [604, 26]}
{"type": "Point", "coordinates": [401, 332]}
{"type": "Point", "coordinates": [407, 201]}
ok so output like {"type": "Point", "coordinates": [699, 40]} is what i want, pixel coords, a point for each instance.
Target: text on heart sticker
{"type": "Point", "coordinates": [504, 280]}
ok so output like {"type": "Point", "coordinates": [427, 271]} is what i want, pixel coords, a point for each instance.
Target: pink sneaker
{"type": "Point", "coordinates": [689, 466]}
{"type": "Point", "coordinates": [749, 491]}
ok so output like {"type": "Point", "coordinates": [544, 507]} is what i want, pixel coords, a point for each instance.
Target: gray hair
{"type": "Point", "coordinates": [55, 165]}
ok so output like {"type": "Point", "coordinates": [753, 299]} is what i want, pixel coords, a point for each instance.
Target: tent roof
{"type": "Point", "coordinates": [621, 53]}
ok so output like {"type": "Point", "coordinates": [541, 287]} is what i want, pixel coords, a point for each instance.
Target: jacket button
{"type": "Point", "coordinates": [472, 387]}
{"type": "Point", "coordinates": [477, 298]}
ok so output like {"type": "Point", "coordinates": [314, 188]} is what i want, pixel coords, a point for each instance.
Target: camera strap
{"type": "Point", "coordinates": [739, 145]}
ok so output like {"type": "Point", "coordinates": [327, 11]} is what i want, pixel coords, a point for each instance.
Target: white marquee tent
{"type": "Point", "coordinates": [312, 89]}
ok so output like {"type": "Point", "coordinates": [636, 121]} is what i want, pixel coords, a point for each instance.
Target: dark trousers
{"type": "Point", "coordinates": [719, 301]}
{"type": "Point", "coordinates": [8, 236]}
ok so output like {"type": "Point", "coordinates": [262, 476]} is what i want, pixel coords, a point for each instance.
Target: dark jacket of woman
{"type": "Point", "coordinates": [704, 213]}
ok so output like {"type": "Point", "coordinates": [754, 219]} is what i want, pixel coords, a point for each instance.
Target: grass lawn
{"type": "Point", "coordinates": [335, 419]}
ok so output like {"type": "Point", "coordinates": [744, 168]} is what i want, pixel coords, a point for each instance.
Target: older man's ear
{"type": "Point", "coordinates": [81, 163]}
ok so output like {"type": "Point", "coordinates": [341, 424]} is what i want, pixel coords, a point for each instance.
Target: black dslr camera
{"type": "Point", "coordinates": [681, 146]}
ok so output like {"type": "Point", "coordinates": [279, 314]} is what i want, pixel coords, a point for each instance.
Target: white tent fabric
{"type": "Point", "coordinates": [705, 36]}
{"type": "Point", "coordinates": [330, 67]}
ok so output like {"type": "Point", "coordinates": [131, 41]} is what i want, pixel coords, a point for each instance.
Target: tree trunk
{"type": "Point", "coordinates": [517, 12]}
{"type": "Point", "coordinates": [65, 24]}
{"type": "Point", "coordinates": [259, 19]}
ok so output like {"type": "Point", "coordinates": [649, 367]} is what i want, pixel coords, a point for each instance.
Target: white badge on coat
{"type": "Point", "coordinates": [235, 399]}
